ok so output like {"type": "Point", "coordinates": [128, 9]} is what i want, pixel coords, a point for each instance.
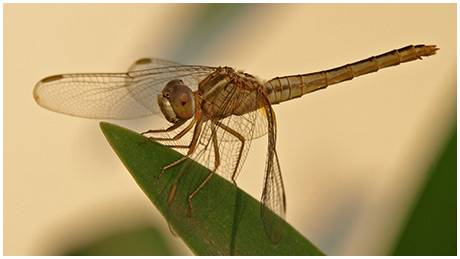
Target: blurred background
{"type": "Point", "coordinates": [355, 158]}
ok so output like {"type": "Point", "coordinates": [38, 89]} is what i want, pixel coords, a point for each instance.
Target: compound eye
{"type": "Point", "coordinates": [170, 86]}
{"type": "Point", "coordinates": [182, 101]}
{"type": "Point", "coordinates": [175, 101]}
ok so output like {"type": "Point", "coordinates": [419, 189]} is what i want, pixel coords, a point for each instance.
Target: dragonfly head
{"type": "Point", "coordinates": [176, 101]}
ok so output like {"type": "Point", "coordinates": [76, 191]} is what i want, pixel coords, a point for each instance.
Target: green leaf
{"type": "Point", "coordinates": [431, 226]}
{"type": "Point", "coordinates": [225, 219]}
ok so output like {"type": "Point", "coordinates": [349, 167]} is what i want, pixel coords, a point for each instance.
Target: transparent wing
{"type": "Point", "coordinates": [236, 132]}
{"type": "Point", "coordinates": [115, 95]}
{"type": "Point", "coordinates": [273, 209]}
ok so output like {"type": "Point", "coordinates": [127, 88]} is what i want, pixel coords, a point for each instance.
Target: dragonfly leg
{"type": "Point", "coordinates": [239, 137]}
{"type": "Point", "coordinates": [171, 165]}
{"type": "Point", "coordinates": [173, 127]}
{"type": "Point", "coordinates": [170, 128]}
{"type": "Point", "coordinates": [178, 146]}
{"type": "Point", "coordinates": [191, 147]}
{"type": "Point", "coordinates": [216, 165]}
{"type": "Point", "coordinates": [172, 193]}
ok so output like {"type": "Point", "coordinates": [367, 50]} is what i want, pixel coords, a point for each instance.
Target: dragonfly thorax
{"type": "Point", "coordinates": [176, 101]}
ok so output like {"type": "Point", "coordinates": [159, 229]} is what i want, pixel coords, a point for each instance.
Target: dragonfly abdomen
{"type": "Point", "coordinates": [281, 89]}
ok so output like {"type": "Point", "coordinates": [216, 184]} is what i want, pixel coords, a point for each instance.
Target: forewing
{"type": "Point", "coordinates": [113, 95]}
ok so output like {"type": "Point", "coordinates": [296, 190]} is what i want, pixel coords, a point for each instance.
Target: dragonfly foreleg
{"type": "Point", "coordinates": [173, 127]}
{"type": "Point", "coordinates": [216, 165]}
{"type": "Point", "coordinates": [170, 128]}
{"type": "Point", "coordinates": [240, 153]}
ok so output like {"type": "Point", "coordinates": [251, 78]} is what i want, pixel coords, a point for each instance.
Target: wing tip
{"type": "Point", "coordinates": [44, 81]}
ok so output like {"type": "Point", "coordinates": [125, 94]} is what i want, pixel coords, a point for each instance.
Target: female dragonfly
{"type": "Point", "coordinates": [220, 109]}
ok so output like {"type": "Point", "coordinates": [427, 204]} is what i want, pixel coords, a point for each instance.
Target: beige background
{"type": "Point", "coordinates": [351, 155]}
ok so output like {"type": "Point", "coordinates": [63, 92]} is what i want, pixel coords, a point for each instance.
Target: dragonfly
{"type": "Point", "coordinates": [220, 110]}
